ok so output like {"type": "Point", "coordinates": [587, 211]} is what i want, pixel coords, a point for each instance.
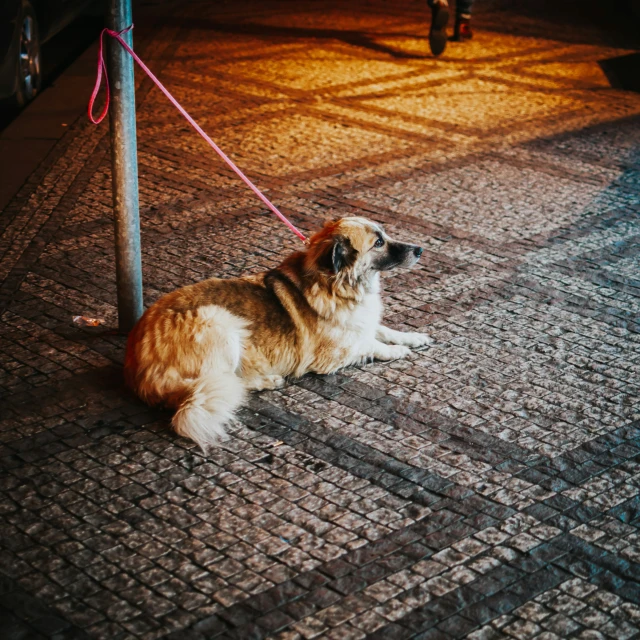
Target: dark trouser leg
{"type": "Point", "coordinates": [462, 30]}
{"type": "Point", "coordinates": [438, 29]}
{"type": "Point", "coordinates": [463, 8]}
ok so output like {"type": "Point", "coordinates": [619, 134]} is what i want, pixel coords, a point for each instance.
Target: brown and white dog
{"type": "Point", "coordinates": [200, 348]}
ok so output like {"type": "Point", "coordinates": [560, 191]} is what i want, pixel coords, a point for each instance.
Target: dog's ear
{"type": "Point", "coordinates": [342, 254]}
{"type": "Point", "coordinates": [335, 253]}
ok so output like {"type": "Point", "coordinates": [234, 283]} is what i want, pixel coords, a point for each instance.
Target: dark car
{"type": "Point", "coordinates": [24, 26]}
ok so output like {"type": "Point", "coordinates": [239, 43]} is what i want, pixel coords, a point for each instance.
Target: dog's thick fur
{"type": "Point", "coordinates": [199, 349]}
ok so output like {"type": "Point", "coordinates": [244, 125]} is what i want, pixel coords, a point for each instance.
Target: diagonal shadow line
{"type": "Point", "coordinates": [348, 36]}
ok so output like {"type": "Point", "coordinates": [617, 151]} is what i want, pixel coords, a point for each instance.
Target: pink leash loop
{"type": "Point", "coordinates": [103, 68]}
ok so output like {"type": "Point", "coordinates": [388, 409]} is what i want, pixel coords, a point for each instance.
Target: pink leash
{"type": "Point", "coordinates": [103, 68]}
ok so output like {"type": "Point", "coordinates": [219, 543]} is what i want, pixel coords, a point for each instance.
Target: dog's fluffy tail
{"type": "Point", "coordinates": [210, 403]}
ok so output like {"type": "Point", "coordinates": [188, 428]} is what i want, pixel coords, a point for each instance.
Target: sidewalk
{"type": "Point", "coordinates": [488, 487]}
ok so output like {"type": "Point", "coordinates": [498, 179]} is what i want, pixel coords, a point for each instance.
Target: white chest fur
{"type": "Point", "coordinates": [352, 330]}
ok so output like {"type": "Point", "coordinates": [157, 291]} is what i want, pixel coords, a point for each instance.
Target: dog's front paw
{"type": "Point", "coordinates": [266, 382]}
{"type": "Point", "coordinates": [415, 340]}
{"type": "Point", "coordinates": [391, 352]}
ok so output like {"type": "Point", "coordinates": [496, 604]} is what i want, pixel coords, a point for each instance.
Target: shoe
{"type": "Point", "coordinates": [438, 30]}
{"type": "Point", "coordinates": [462, 29]}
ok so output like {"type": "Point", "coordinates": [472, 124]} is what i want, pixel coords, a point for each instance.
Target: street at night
{"type": "Point", "coordinates": [484, 487]}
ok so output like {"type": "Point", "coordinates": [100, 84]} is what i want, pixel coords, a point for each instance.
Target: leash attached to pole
{"type": "Point", "coordinates": [117, 35]}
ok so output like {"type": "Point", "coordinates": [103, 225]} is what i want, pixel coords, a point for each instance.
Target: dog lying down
{"type": "Point", "coordinates": [202, 347]}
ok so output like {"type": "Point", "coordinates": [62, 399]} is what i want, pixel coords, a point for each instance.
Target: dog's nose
{"type": "Point", "coordinates": [417, 252]}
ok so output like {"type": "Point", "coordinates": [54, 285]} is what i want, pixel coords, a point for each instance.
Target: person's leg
{"type": "Point", "coordinates": [438, 30]}
{"type": "Point", "coordinates": [462, 30]}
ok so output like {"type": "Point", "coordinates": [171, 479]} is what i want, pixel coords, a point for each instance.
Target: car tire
{"type": "Point", "coordinates": [28, 66]}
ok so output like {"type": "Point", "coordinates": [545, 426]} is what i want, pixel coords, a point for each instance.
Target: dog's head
{"type": "Point", "coordinates": [352, 251]}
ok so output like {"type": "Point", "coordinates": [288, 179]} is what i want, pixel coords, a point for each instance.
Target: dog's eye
{"type": "Point", "coordinates": [379, 243]}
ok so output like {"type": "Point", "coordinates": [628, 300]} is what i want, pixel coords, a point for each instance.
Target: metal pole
{"type": "Point", "coordinates": [124, 162]}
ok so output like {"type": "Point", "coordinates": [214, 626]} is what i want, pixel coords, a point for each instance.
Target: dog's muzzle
{"type": "Point", "coordinates": [398, 254]}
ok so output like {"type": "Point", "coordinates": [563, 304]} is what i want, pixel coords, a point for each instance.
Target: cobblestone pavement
{"type": "Point", "coordinates": [488, 487]}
